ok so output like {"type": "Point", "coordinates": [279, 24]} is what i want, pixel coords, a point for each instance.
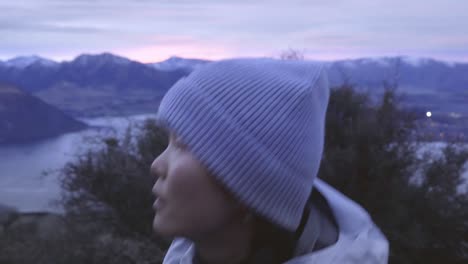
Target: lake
{"type": "Point", "coordinates": [22, 166]}
{"type": "Point", "coordinates": [22, 183]}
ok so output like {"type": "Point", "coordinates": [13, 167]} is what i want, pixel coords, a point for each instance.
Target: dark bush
{"type": "Point", "coordinates": [371, 156]}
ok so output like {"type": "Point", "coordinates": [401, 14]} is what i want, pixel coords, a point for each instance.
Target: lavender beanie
{"type": "Point", "coordinates": [258, 126]}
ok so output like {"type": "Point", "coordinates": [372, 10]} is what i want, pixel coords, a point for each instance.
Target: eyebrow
{"type": "Point", "coordinates": [176, 138]}
{"type": "Point", "coordinates": [163, 125]}
{"type": "Point", "coordinates": [165, 130]}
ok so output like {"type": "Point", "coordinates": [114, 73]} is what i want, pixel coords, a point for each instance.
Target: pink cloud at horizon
{"type": "Point", "coordinates": [181, 46]}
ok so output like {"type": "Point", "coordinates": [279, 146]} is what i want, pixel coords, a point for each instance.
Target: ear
{"type": "Point", "coordinates": [245, 213]}
{"type": "Point", "coordinates": [248, 218]}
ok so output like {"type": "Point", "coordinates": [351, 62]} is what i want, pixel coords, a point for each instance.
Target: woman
{"type": "Point", "coordinates": [237, 182]}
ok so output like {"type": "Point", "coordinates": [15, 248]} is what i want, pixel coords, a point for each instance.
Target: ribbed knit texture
{"type": "Point", "coordinates": [258, 126]}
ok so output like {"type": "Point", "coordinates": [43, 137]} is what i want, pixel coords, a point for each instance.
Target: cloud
{"type": "Point", "coordinates": [234, 28]}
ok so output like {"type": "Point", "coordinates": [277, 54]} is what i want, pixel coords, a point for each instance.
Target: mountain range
{"type": "Point", "coordinates": [102, 84]}
{"type": "Point", "coordinates": [91, 85]}
{"type": "Point", "coordinates": [412, 75]}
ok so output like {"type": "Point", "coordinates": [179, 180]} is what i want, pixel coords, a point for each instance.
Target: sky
{"type": "Point", "coordinates": [154, 30]}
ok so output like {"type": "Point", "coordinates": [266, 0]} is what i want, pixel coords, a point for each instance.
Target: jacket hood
{"type": "Point", "coordinates": [359, 241]}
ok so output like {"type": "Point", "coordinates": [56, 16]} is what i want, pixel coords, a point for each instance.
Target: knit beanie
{"type": "Point", "coordinates": [258, 127]}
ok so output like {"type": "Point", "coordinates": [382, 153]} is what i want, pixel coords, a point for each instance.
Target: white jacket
{"type": "Point", "coordinates": [359, 241]}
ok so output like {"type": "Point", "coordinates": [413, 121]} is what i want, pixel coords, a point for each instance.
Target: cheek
{"type": "Point", "coordinates": [195, 204]}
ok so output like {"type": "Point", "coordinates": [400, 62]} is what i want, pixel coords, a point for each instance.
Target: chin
{"type": "Point", "coordinates": [163, 228]}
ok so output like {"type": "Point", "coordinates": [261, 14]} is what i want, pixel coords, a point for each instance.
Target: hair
{"type": "Point", "coordinates": [271, 243]}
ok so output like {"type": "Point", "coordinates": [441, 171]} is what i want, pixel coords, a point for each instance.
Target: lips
{"type": "Point", "coordinates": [158, 204]}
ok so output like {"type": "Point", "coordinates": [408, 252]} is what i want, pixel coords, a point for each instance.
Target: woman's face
{"type": "Point", "coordinates": [188, 202]}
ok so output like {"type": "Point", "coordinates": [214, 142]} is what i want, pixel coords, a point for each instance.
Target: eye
{"type": "Point", "coordinates": [178, 143]}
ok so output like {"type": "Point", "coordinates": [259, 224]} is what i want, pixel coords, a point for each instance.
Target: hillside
{"type": "Point", "coordinates": [24, 117]}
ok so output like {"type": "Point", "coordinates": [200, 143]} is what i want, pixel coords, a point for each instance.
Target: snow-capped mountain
{"type": "Point", "coordinates": [25, 61]}
{"type": "Point", "coordinates": [86, 71]}
{"type": "Point", "coordinates": [177, 63]}
{"type": "Point", "coordinates": [97, 78]}
{"type": "Point", "coordinates": [410, 74]}
{"type": "Point", "coordinates": [391, 62]}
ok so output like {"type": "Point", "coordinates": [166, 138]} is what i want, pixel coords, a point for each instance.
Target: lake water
{"type": "Point", "coordinates": [22, 184]}
{"type": "Point", "coordinates": [22, 181]}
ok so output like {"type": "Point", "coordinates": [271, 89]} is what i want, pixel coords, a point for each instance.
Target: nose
{"type": "Point", "coordinates": [158, 167]}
